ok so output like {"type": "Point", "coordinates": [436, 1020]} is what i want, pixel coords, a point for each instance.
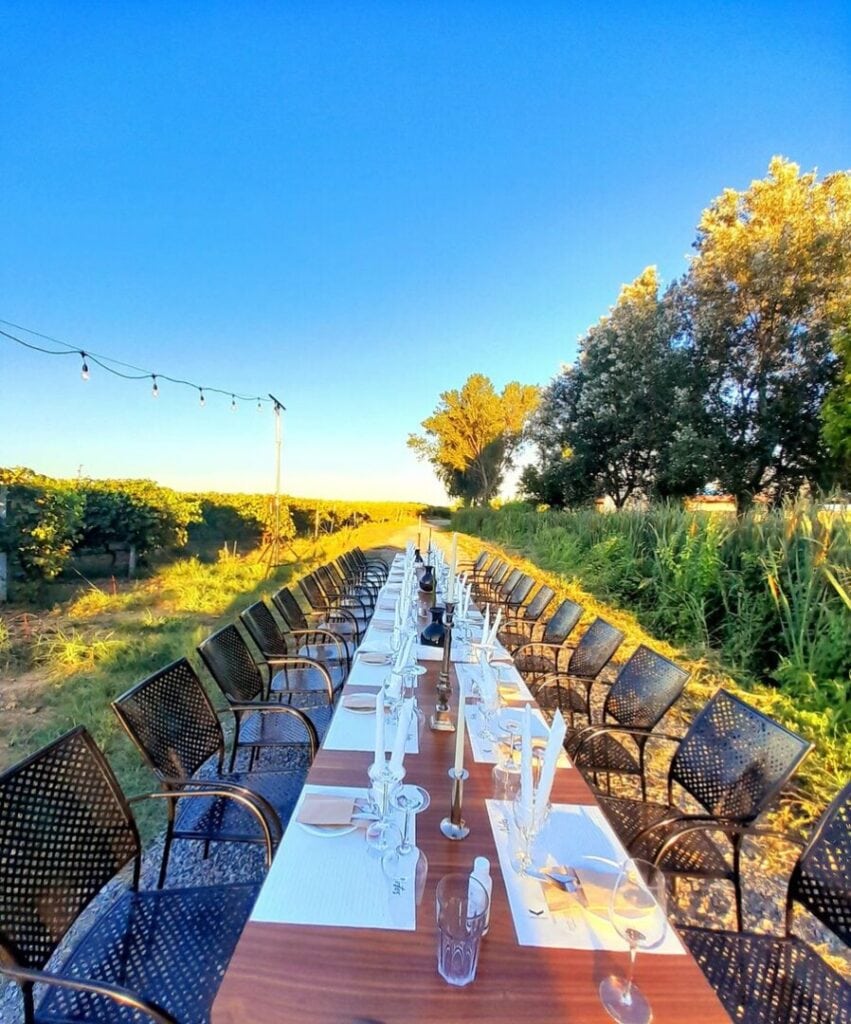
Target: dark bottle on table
{"type": "Point", "coordinates": [434, 635]}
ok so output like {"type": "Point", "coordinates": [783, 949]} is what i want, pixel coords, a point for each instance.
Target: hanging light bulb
{"type": "Point", "coordinates": [84, 369]}
{"type": "Point", "coordinates": [155, 390]}
{"type": "Point", "coordinates": [202, 401]}
{"type": "Point", "coordinates": [233, 403]}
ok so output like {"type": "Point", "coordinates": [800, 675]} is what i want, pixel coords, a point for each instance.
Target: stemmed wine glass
{"type": "Point", "coordinates": [506, 773]}
{"type": "Point", "coordinates": [637, 912]}
{"type": "Point", "coordinates": [404, 862]}
{"type": "Point", "coordinates": [529, 822]}
{"type": "Point", "coordinates": [381, 833]}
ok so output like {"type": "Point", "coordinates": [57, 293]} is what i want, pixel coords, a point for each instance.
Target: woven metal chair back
{"type": "Point", "coordinates": [539, 604]}
{"type": "Point", "coordinates": [645, 688]}
{"type": "Point", "coordinates": [263, 630]}
{"type": "Point", "coordinates": [521, 590]}
{"type": "Point", "coordinates": [327, 580]}
{"type": "Point", "coordinates": [594, 651]}
{"type": "Point", "coordinates": [562, 622]}
{"type": "Point", "coordinates": [67, 831]}
{"type": "Point", "coordinates": [289, 608]}
{"type": "Point", "coordinates": [509, 583]}
{"type": "Point", "coordinates": [172, 721]}
{"type": "Point", "coordinates": [497, 572]}
{"type": "Point", "coordinates": [313, 592]}
{"type": "Point", "coordinates": [229, 660]}
{"type": "Point", "coordinates": [734, 759]}
{"type": "Point", "coordinates": [821, 879]}
{"type": "Point", "coordinates": [480, 562]}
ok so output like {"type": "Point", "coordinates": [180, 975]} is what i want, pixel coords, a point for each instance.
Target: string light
{"type": "Point", "coordinates": [110, 365]}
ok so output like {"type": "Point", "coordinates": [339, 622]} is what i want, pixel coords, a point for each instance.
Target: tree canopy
{"type": "Point", "coordinates": [471, 437]}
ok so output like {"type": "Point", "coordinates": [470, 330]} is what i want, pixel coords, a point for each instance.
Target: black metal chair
{"type": "Point", "coordinates": [763, 978]}
{"type": "Point", "coordinates": [492, 577]}
{"type": "Point", "coordinates": [361, 572]}
{"type": "Point", "coordinates": [346, 591]}
{"type": "Point", "coordinates": [644, 690]}
{"type": "Point", "coordinates": [497, 593]}
{"type": "Point", "coordinates": [523, 626]}
{"type": "Point", "coordinates": [512, 602]}
{"type": "Point", "coordinates": [279, 647]}
{"type": "Point", "coordinates": [476, 566]}
{"type": "Point", "coordinates": [374, 562]}
{"type": "Point", "coordinates": [301, 682]}
{"type": "Point", "coordinates": [66, 830]}
{"type": "Point", "coordinates": [337, 628]}
{"type": "Point", "coordinates": [553, 684]}
{"type": "Point", "coordinates": [536, 658]}
{"type": "Point", "coordinates": [324, 606]}
{"type": "Point", "coordinates": [173, 723]}
{"type": "Point", "coordinates": [733, 761]}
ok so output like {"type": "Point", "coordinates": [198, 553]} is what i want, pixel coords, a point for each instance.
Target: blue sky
{"type": "Point", "coordinates": [355, 206]}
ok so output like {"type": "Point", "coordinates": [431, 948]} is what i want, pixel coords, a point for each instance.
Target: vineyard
{"type": "Point", "coordinates": [51, 522]}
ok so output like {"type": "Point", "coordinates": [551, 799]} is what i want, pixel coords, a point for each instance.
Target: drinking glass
{"type": "Point", "coordinates": [489, 706]}
{"type": "Point", "coordinates": [637, 911]}
{"type": "Point", "coordinates": [528, 823]}
{"type": "Point", "coordinates": [383, 834]}
{"type": "Point", "coordinates": [462, 906]}
{"type": "Point", "coordinates": [506, 772]}
{"type": "Point", "coordinates": [401, 863]}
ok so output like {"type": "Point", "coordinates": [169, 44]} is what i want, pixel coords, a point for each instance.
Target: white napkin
{"type": "Point", "coordinates": [490, 639]}
{"type": "Point", "coordinates": [379, 733]}
{"type": "Point", "coordinates": [488, 683]}
{"type": "Point", "coordinates": [487, 624]}
{"type": "Point", "coordinates": [555, 745]}
{"type": "Point", "coordinates": [527, 795]}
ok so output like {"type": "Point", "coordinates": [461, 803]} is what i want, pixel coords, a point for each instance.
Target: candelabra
{"type": "Point", "coordinates": [440, 719]}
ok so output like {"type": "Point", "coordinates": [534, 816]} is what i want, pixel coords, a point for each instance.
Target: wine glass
{"type": "Point", "coordinates": [382, 834]}
{"type": "Point", "coordinates": [528, 821]}
{"type": "Point", "coordinates": [506, 772]}
{"type": "Point", "coordinates": [637, 912]}
{"type": "Point", "coordinates": [401, 862]}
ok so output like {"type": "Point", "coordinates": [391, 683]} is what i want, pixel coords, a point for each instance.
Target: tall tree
{"type": "Point", "coordinates": [770, 283]}
{"type": "Point", "coordinates": [621, 421]}
{"type": "Point", "coordinates": [471, 437]}
{"type": "Point", "coordinates": [837, 410]}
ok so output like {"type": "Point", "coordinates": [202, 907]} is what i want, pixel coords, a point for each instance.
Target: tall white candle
{"type": "Point", "coordinates": [526, 790]}
{"type": "Point", "coordinates": [459, 733]}
{"type": "Point", "coordinates": [452, 567]}
{"type": "Point", "coordinates": [379, 728]}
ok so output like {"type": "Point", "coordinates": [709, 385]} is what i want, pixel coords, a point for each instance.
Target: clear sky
{"type": "Point", "coordinates": [356, 205]}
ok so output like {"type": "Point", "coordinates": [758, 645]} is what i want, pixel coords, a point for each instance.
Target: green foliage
{"type": "Point", "coordinates": [472, 435]}
{"type": "Point", "coordinates": [135, 512]}
{"type": "Point", "coordinates": [768, 594]}
{"type": "Point", "coordinates": [837, 409]}
{"type": "Point", "coordinates": [625, 419]}
{"type": "Point", "coordinates": [44, 519]}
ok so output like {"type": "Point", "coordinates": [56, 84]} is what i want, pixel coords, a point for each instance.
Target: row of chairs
{"type": "Point", "coordinates": [67, 829]}
{"type": "Point", "coordinates": [730, 766]}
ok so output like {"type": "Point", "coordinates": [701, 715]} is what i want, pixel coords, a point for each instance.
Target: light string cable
{"type": "Point", "coordinates": [139, 372]}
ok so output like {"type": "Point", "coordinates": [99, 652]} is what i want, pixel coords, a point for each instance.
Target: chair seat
{"type": "Point", "coordinates": [513, 637]}
{"type": "Point", "coordinates": [329, 654]}
{"type": "Point", "coordinates": [694, 854]}
{"type": "Point", "coordinates": [270, 730]}
{"type": "Point", "coordinates": [604, 753]}
{"type": "Point", "coordinates": [302, 679]}
{"type": "Point", "coordinates": [762, 979]}
{"type": "Point", "coordinates": [219, 818]}
{"type": "Point", "coordinates": [170, 947]}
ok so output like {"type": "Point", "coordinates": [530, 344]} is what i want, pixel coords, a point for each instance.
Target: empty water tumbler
{"type": "Point", "coordinates": [462, 906]}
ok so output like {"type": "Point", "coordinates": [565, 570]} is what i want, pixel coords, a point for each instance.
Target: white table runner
{"type": "Point", "coordinates": [574, 835]}
{"type": "Point", "coordinates": [508, 679]}
{"type": "Point", "coordinates": [484, 751]}
{"type": "Point", "coordinates": [333, 879]}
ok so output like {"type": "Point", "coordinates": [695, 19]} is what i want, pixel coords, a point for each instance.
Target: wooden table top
{"type": "Point", "coordinates": [282, 973]}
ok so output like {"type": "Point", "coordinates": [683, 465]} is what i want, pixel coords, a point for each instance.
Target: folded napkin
{"type": "Point", "coordinates": [319, 809]}
{"type": "Point", "coordinates": [595, 893]}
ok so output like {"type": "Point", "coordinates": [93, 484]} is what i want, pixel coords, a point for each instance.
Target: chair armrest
{"type": "Point", "coordinates": [122, 996]}
{"type": "Point", "coordinates": [299, 661]}
{"type": "Point", "coordinates": [333, 638]}
{"type": "Point", "coordinates": [274, 708]}
{"type": "Point", "coordinates": [256, 804]}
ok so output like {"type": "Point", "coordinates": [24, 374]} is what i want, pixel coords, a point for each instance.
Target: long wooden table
{"type": "Point", "coordinates": [283, 973]}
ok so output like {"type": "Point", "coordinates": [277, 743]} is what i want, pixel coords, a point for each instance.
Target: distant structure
{"type": "Point", "coordinates": [718, 503]}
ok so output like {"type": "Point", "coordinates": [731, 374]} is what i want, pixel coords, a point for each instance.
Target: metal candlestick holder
{"type": "Point", "coordinates": [453, 827]}
{"type": "Point", "coordinates": [441, 720]}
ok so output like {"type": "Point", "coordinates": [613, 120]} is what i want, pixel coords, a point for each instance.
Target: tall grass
{"type": "Point", "coordinates": [91, 650]}
{"type": "Point", "coordinates": [764, 598]}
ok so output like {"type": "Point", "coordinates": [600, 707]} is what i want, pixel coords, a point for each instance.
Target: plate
{"type": "Point", "coordinates": [374, 658]}
{"type": "Point", "coordinates": [383, 627]}
{"type": "Point", "coordinates": [358, 698]}
{"type": "Point", "coordinates": [327, 831]}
